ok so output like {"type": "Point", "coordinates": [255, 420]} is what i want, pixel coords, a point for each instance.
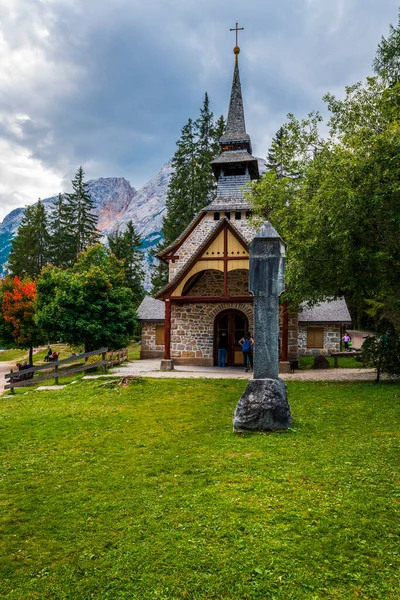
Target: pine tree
{"type": "Point", "coordinates": [192, 185]}
{"type": "Point", "coordinates": [126, 246]}
{"type": "Point", "coordinates": [81, 210]}
{"type": "Point", "coordinates": [182, 190]}
{"type": "Point", "coordinates": [30, 248]}
{"type": "Point", "coordinates": [206, 151]}
{"type": "Point", "coordinates": [62, 239]}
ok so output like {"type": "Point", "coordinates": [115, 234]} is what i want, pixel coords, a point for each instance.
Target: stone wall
{"type": "Point", "coordinates": [192, 330]}
{"type": "Point", "coordinates": [192, 333]}
{"type": "Point", "coordinates": [149, 348]}
{"type": "Point", "coordinates": [331, 340]}
{"type": "Point", "coordinates": [211, 283]}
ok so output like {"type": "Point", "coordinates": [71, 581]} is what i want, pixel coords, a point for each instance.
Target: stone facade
{"type": "Point", "coordinates": [211, 283]}
{"type": "Point", "coordinates": [149, 347]}
{"type": "Point", "coordinates": [331, 340]}
{"type": "Point", "coordinates": [200, 233]}
{"type": "Point", "coordinates": [192, 330]}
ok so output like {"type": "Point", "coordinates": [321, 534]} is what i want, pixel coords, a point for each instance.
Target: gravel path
{"type": "Point", "coordinates": [151, 368]}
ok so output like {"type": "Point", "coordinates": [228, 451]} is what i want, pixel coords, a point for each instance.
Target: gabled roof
{"type": "Point", "coordinates": [151, 309]}
{"type": "Point", "coordinates": [179, 240]}
{"type": "Point", "coordinates": [330, 311]}
{"type": "Point", "coordinates": [224, 222]}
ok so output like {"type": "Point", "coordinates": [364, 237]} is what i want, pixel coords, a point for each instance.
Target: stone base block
{"type": "Point", "coordinates": [198, 362]}
{"type": "Point", "coordinates": [263, 407]}
{"type": "Point", "coordinates": [167, 364]}
{"type": "Point", "coordinates": [151, 354]}
{"type": "Point", "coordinates": [284, 366]}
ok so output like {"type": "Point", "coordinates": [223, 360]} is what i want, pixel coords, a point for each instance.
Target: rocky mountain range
{"type": "Point", "coordinates": [117, 203]}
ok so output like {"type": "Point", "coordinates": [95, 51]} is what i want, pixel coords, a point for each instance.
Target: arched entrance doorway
{"type": "Point", "coordinates": [235, 324]}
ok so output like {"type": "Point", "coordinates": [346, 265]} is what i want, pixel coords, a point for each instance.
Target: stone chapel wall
{"type": "Point", "coordinates": [192, 331]}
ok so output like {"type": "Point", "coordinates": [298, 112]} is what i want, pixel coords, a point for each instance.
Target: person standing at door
{"type": "Point", "coordinates": [222, 348]}
{"type": "Point", "coordinates": [247, 344]}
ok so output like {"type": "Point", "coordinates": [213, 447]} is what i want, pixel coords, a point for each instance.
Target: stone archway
{"type": "Point", "coordinates": [235, 323]}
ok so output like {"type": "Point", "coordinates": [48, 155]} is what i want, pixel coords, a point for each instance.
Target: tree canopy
{"type": "Point", "coordinates": [17, 325]}
{"type": "Point", "coordinates": [87, 303]}
{"type": "Point", "coordinates": [340, 213]}
{"type": "Point", "coordinates": [126, 247]}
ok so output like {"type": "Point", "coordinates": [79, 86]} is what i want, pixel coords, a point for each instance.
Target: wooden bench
{"type": "Point", "coordinates": [337, 355]}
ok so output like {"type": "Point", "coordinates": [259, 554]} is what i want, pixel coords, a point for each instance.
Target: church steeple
{"type": "Point", "coordinates": [235, 123]}
{"type": "Point", "coordinates": [235, 165]}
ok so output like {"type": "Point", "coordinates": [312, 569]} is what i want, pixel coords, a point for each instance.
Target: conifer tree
{"type": "Point", "coordinates": [62, 248]}
{"type": "Point", "coordinates": [192, 186]}
{"type": "Point", "coordinates": [30, 248]}
{"type": "Point", "coordinates": [81, 213]}
{"type": "Point", "coordinates": [207, 149]}
{"type": "Point", "coordinates": [182, 190]}
{"type": "Point", "coordinates": [126, 246]}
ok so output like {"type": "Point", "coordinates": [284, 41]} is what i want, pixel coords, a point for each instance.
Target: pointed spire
{"type": "Point", "coordinates": [235, 123]}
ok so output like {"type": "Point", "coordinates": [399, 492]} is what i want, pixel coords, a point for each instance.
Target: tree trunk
{"type": "Point", "coordinates": [31, 355]}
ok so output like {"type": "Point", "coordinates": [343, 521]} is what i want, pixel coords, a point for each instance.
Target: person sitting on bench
{"type": "Point", "coordinates": [49, 354]}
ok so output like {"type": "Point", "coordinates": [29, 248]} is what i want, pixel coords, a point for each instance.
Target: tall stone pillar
{"type": "Point", "coordinates": [263, 405]}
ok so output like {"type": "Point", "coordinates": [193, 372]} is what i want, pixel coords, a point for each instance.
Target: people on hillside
{"type": "Point", "coordinates": [49, 354]}
{"type": "Point", "coordinates": [346, 340]}
{"type": "Point", "coordinates": [222, 348]}
{"type": "Point", "coordinates": [247, 344]}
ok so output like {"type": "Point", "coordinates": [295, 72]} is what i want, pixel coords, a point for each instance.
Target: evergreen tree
{"type": "Point", "coordinates": [30, 248]}
{"type": "Point", "coordinates": [387, 58]}
{"type": "Point", "coordinates": [159, 271]}
{"type": "Point", "coordinates": [181, 201]}
{"type": "Point", "coordinates": [192, 185]}
{"type": "Point", "coordinates": [81, 213]}
{"type": "Point", "coordinates": [62, 240]}
{"type": "Point", "coordinates": [206, 150]}
{"type": "Point", "coordinates": [126, 246]}
{"type": "Point", "coordinates": [277, 158]}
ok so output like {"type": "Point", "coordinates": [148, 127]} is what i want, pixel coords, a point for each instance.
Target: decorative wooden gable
{"type": "Point", "coordinates": [225, 250]}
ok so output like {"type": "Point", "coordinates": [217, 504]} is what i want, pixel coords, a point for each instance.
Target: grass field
{"type": "Point", "coordinates": [306, 362]}
{"type": "Point", "coordinates": [143, 492]}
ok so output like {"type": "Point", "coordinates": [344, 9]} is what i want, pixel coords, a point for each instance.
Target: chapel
{"type": "Point", "coordinates": [208, 288]}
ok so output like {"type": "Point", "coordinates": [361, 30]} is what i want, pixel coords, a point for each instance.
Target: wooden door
{"type": "Point", "coordinates": [235, 324]}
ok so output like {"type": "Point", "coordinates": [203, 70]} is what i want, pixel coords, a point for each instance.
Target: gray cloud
{"type": "Point", "coordinates": [110, 84]}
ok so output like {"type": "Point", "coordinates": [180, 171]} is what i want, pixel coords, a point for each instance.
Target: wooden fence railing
{"type": "Point", "coordinates": [26, 377]}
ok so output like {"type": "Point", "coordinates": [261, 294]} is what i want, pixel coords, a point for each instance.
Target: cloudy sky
{"type": "Point", "coordinates": [109, 83]}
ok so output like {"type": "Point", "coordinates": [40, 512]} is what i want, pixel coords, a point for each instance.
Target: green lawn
{"type": "Point", "coordinates": [306, 362]}
{"type": "Point", "coordinates": [143, 492]}
{"type": "Point", "coordinates": [13, 355]}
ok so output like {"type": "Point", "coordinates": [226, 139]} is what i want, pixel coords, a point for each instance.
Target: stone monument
{"type": "Point", "coordinates": [263, 405]}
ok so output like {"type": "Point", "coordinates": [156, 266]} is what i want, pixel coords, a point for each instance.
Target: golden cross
{"type": "Point", "coordinates": [237, 29]}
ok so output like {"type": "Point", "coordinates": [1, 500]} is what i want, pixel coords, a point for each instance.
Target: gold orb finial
{"type": "Point", "coordinates": [236, 50]}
